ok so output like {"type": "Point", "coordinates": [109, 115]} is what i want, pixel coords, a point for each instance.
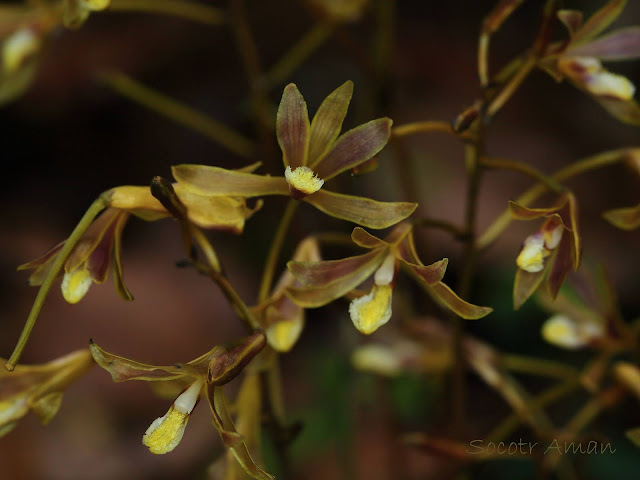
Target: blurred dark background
{"type": "Point", "coordinates": [70, 138]}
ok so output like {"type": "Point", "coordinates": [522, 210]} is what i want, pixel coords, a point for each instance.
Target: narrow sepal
{"type": "Point", "coordinates": [354, 147]}
{"type": "Point", "coordinates": [360, 210]}
{"type": "Point", "coordinates": [627, 218]}
{"type": "Point", "coordinates": [208, 180]}
{"type": "Point", "coordinates": [327, 122]}
{"type": "Point", "coordinates": [292, 127]}
{"type": "Point", "coordinates": [453, 302]}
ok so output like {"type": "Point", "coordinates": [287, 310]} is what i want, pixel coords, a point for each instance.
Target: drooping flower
{"type": "Point", "coordinates": [38, 388]}
{"type": "Point", "coordinates": [312, 154]}
{"type": "Point", "coordinates": [551, 251]}
{"type": "Point", "coordinates": [207, 373]}
{"type": "Point", "coordinates": [325, 281]}
{"type": "Point", "coordinates": [579, 59]}
{"type": "Point", "coordinates": [585, 314]}
{"type": "Point", "coordinates": [283, 319]}
{"type": "Point", "coordinates": [99, 247]}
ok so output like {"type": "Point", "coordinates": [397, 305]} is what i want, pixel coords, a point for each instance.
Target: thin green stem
{"type": "Point", "coordinates": [427, 126]}
{"type": "Point", "coordinates": [96, 207]}
{"type": "Point", "coordinates": [537, 366]}
{"type": "Point", "coordinates": [276, 247]}
{"type": "Point", "coordinates": [175, 8]}
{"type": "Point", "coordinates": [168, 107]}
{"type": "Point", "coordinates": [579, 167]}
{"type": "Point", "coordinates": [525, 169]}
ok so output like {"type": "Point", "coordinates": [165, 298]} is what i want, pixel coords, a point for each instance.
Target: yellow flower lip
{"type": "Point", "coordinates": [302, 181]}
{"type": "Point", "coordinates": [373, 310]}
{"type": "Point", "coordinates": [165, 432]}
{"type": "Point", "coordinates": [533, 253]}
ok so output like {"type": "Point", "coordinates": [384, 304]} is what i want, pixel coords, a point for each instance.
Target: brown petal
{"type": "Point", "coordinates": [431, 274]}
{"type": "Point", "coordinates": [122, 368]}
{"type": "Point", "coordinates": [561, 264]}
{"type": "Point", "coordinates": [230, 361]}
{"type": "Point", "coordinates": [622, 44]}
{"type": "Point", "coordinates": [364, 239]}
{"type": "Point", "coordinates": [327, 122]}
{"type": "Point", "coordinates": [318, 274]}
{"type": "Point", "coordinates": [317, 296]}
{"type": "Point", "coordinates": [99, 260]}
{"type": "Point", "coordinates": [118, 275]}
{"type": "Point", "coordinates": [600, 20]}
{"type": "Point", "coordinates": [292, 127]}
{"type": "Point", "coordinates": [91, 238]}
{"type": "Point", "coordinates": [354, 147]}
{"type": "Point", "coordinates": [453, 302]}
{"type": "Point", "coordinates": [360, 210]}
{"type": "Point", "coordinates": [207, 180]}
{"type": "Point", "coordinates": [526, 283]}
{"type": "Point", "coordinates": [41, 265]}
{"type": "Point", "coordinates": [627, 218]}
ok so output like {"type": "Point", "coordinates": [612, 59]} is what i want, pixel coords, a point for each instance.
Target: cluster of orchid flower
{"type": "Point", "coordinates": [314, 152]}
{"type": "Point", "coordinates": [206, 197]}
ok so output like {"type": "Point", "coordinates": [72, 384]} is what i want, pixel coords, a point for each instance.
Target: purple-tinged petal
{"type": "Point", "coordinates": [600, 20]}
{"type": "Point", "coordinates": [122, 368]}
{"type": "Point", "coordinates": [118, 275]}
{"type": "Point", "coordinates": [318, 274]}
{"type": "Point", "coordinates": [41, 265]}
{"type": "Point", "coordinates": [360, 210]}
{"type": "Point", "coordinates": [560, 266]}
{"type": "Point", "coordinates": [354, 147]}
{"type": "Point", "coordinates": [292, 127]}
{"type": "Point", "coordinates": [327, 122]}
{"type": "Point", "coordinates": [627, 218]}
{"type": "Point", "coordinates": [312, 297]}
{"type": "Point", "coordinates": [207, 180]}
{"type": "Point", "coordinates": [431, 274]}
{"type": "Point", "coordinates": [91, 238]}
{"type": "Point", "coordinates": [364, 239]}
{"type": "Point", "coordinates": [623, 44]}
{"type": "Point", "coordinates": [453, 302]}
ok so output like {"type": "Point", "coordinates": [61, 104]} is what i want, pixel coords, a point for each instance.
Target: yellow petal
{"type": "Point", "coordinates": [373, 310]}
{"type": "Point", "coordinates": [75, 284]}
